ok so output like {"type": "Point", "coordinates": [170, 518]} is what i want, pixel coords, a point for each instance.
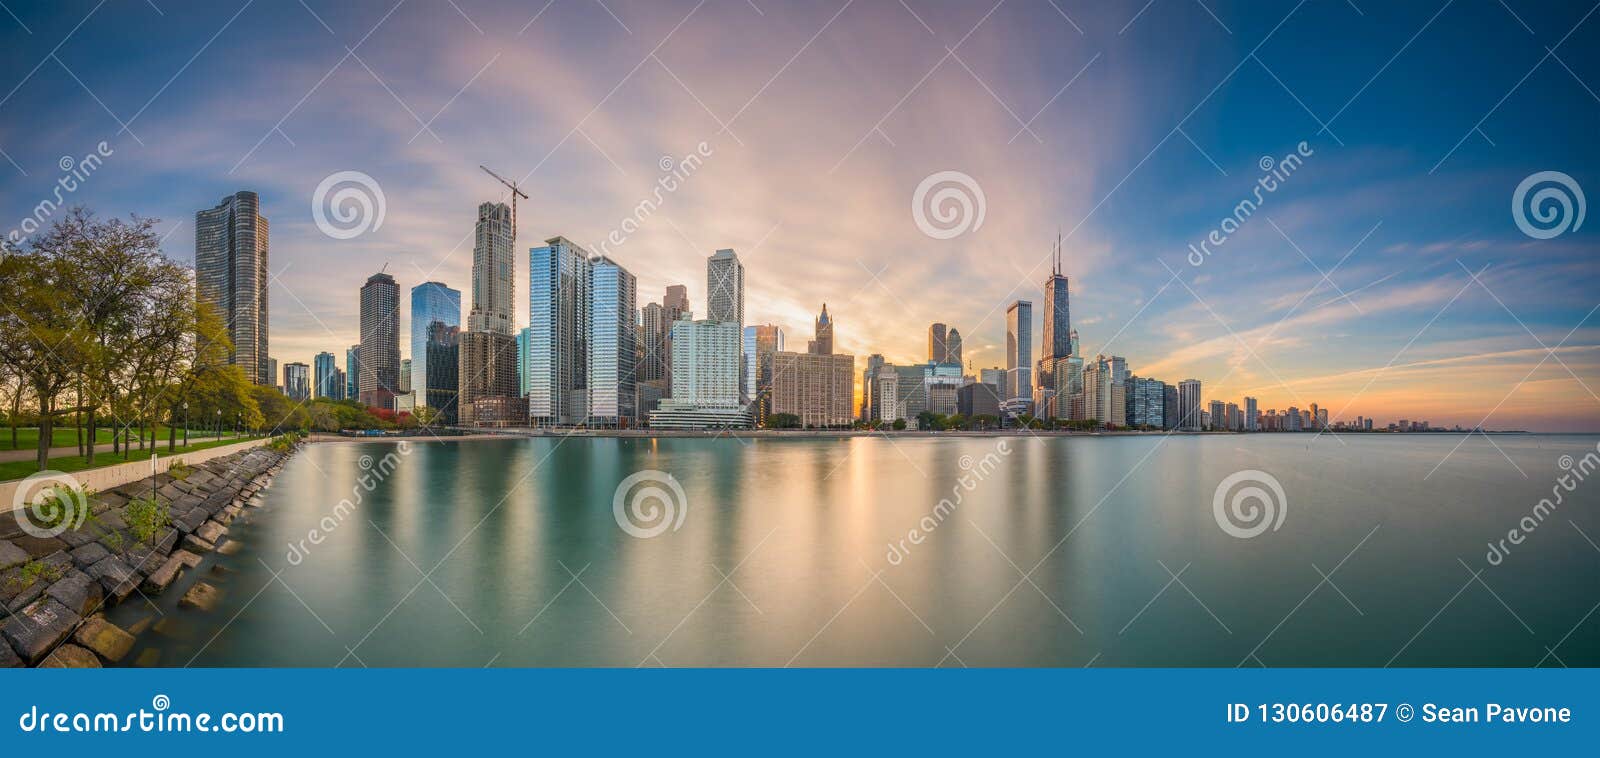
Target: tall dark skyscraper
{"type": "Point", "coordinates": [952, 347]}
{"type": "Point", "coordinates": [230, 266]}
{"type": "Point", "coordinates": [380, 341]}
{"type": "Point", "coordinates": [938, 345]}
{"type": "Point", "coordinates": [1057, 312]}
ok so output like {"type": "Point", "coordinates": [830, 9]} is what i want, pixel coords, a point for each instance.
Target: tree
{"type": "Point", "coordinates": [899, 424]}
{"type": "Point", "coordinates": [783, 421]}
{"type": "Point", "coordinates": [41, 338]}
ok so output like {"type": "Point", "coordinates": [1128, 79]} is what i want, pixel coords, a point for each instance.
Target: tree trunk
{"type": "Point", "coordinates": [88, 422]}
{"type": "Point", "coordinates": [172, 432]}
{"type": "Point", "coordinates": [46, 430]}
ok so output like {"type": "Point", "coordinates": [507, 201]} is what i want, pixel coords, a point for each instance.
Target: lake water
{"type": "Point", "coordinates": [1061, 552]}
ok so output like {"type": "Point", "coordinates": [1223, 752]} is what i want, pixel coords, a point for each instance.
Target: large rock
{"type": "Point", "coordinates": [194, 544]}
{"type": "Point", "coordinates": [38, 628]}
{"type": "Point", "coordinates": [11, 555]}
{"type": "Point", "coordinates": [211, 531]}
{"type": "Point", "coordinates": [37, 546]}
{"type": "Point", "coordinates": [201, 596]}
{"type": "Point", "coordinates": [118, 579]}
{"type": "Point", "coordinates": [78, 592]}
{"type": "Point", "coordinates": [70, 657]}
{"type": "Point", "coordinates": [8, 657]}
{"type": "Point", "coordinates": [106, 639]}
{"type": "Point", "coordinates": [90, 554]}
{"type": "Point", "coordinates": [170, 570]}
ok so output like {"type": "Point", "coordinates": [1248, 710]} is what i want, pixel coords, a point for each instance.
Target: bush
{"type": "Point", "coordinates": [179, 470]}
{"type": "Point", "coordinates": [146, 517]}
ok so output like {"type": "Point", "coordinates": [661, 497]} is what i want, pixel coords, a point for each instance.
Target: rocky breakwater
{"type": "Point", "coordinates": [120, 546]}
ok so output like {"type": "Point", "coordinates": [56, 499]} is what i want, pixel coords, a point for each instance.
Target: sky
{"type": "Point", "coordinates": [1386, 275]}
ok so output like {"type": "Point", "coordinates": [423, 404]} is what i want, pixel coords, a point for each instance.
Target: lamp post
{"type": "Point", "coordinates": [219, 423]}
{"type": "Point", "coordinates": [186, 423]}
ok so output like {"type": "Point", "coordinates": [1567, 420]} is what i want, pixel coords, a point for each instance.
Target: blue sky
{"type": "Point", "coordinates": [1131, 129]}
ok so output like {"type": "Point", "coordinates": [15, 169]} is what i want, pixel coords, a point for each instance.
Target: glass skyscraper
{"type": "Point", "coordinates": [230, 272]}
{"type": "Point", "coordinates": [430, 302]}
{"type": "Point", "coordinates": [558, 309]}
{"type": "Point", "coordinates": [612, 344]}
{"type": "Point", "coordinates": [326, 371]}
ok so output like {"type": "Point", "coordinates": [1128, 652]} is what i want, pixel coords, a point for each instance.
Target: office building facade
{"type": "Point", "coordinates": [230, 271]}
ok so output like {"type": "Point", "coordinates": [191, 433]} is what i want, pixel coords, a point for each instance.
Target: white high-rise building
{"type": "Point", "coordinates": [1019, 350]}
{"type": "Point", "coordinates": [1189, 405]}
{"type": "Point", "coordinates": [706, 373]}
{"type": "Point", "coordinates": [612, 345]}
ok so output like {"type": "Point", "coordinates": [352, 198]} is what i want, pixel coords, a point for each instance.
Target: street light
{"type": "Point", "coordinates": [219, 423]}
{"type": "Point", "coordinates": [186, 423]}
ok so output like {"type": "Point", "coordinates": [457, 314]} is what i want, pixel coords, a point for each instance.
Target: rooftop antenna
{"type": "Point", "coordinates": [514, 194]}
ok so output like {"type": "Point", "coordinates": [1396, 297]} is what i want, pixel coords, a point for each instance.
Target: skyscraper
{"type": "Point", "coordinates": [558, 312]}
{"type": "Point", "coordinates": [705, 378]}
{"type": "Point", "coordinates": [653, 334]}
{"type": "Point", "coordinates": [823, 344]}
{"type": "Point", "coordinates": [1250, 413]}
{"type": "Point", "coordinates": [405, 377]}
{"type": "Point", "coordinates": [380, 341]}
{"type": "Point", "coordinates": [430, 302]}
{"type": "Point", "coordinates": [1057, 312]}
{"type": "Point", "coordinates": [952, 347]}
{"type": "Point", "coordinates": [492, 270]}
{"type": "Point", "coordinates": [725, 288]}
{"type": "Point", "coordinates": [1189, 405]}
{"type": "Point", "coordinates": [326, 372]}
{"type": "Point", "coordinates": [1019, 350]}
{"type": "Point", "coordinates": [487, 372]}
{"type": "Point", "coordinates": [297, 381]}
{"type": "Point", "coordinates": [1057, 333]}
{"type": "Point", "coordinates": [442, 352]}
{"type": "Point", "coordinates": [761, 343]}
{"type": "Point", "coordinates": [352, 372]}
{"type": "Point", "coordinates": [676, 303]}
{"type": "Point", "coordinates": [938, 346]}
{"type": "Point", "coordinates": [230, 268]}
{"type": "Point", "coordinates": [612, 348]}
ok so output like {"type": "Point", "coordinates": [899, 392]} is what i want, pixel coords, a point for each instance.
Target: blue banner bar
{"type": "Point", "coordinates": [744, 712]}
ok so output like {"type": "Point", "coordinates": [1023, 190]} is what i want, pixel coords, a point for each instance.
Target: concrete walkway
{"type": "Point", "coordinates": [109, 477]}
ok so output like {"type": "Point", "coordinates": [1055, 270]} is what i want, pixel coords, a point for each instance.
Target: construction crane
{"type": "Point", "coordinates": [514, 194]}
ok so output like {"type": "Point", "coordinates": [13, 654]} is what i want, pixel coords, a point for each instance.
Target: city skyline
{"type": "Point", "coordinates": [1399, 329]}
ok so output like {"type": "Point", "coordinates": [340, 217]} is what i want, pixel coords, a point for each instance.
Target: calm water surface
{"type": "Point", "coordinates": [507, 553]}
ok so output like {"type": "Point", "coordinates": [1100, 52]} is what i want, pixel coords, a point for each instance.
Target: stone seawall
{"type": "Point", "coordinates": [54, 589]}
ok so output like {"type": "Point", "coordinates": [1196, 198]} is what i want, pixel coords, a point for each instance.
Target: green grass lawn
{"type": "Point", "coordinates": [20, 469]}
{"type": "Point", "coordinates": [28, 436]}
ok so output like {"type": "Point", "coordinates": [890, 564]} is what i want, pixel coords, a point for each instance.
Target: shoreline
{"type": "Point", "coordinates": [57, 584]}
{"type": "Point", "coordinates": [745, 434]}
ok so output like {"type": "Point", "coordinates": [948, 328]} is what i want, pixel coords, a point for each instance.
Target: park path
{"type": "Point", "coordinates": [9, 456]}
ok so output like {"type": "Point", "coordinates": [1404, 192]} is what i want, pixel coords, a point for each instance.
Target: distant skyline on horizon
{"type": "Point", "coordinates": [1134, 130]}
